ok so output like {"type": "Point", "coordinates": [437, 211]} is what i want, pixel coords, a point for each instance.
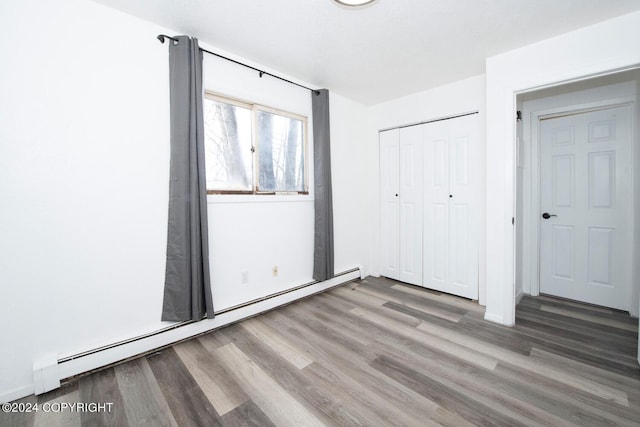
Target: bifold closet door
{"type": "Point", "coordinates": [451, 206]}
{"type": "Point", "coordinates": [401, 204]}
{"type": "Point", "coordinates": [411, 144]}
{"type": "Point", "coordinates": [390, 204]}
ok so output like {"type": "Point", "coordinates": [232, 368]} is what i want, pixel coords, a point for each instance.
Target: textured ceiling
{"type": "Point", "coordinates": [379, 52]}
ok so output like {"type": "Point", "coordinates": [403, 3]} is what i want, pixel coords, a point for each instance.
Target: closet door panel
{"type": "Point", "coordinates": [464, 201]}
{"type": "Point", "coordinates": [411, 142]}
{"type": "Point", "coordinates": [389, 204]}
{"type": "Point", "coordinates": [436, 224]}
{"type": "Point", "coordinates": [436, 205]}
{"type": "Point", "coordinates": [451, 200]}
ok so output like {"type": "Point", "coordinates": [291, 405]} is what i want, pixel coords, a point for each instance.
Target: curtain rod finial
{"type": "Point", "coordinates": [163, 37]}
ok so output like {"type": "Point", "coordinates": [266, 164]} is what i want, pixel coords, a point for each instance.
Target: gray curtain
{"type": "Point", "coordinates": [187, 288]}
{"type": "Point", "coordinates": [323, 232]}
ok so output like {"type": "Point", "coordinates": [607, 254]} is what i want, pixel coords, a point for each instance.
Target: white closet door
{"type": "Point", "coordinates": [451, 200]}
{"type": "Point", "coordinates": [411, 142]}
{"type": "Point", "coordinates": [436, 205]}
{"type": "Point", "coordinates": [389, 204]}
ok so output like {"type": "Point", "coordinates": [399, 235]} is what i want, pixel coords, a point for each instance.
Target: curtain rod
{"type": "Point", "coordinates": [261, 73]}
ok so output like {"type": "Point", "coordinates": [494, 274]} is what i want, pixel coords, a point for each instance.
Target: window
{"type": "Point", "coordinates": [252, 149]}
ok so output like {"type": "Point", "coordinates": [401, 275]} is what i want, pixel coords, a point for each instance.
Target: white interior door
{"type": "Point", "coordinates": [451, 191]}
{"type": "Point", "coordinates": [585, 187]}
{"type": "Point", "coordinates": [411, 142]}
{"type": "Point", "coordinates": [389, 204]}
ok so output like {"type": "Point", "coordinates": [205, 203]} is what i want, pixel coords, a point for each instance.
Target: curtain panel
{"type": "Point", "coordinates": [323, 263]}
{"type": "Point", "coordinates": [187, 289]}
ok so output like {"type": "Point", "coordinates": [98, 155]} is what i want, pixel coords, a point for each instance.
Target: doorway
{"type": "Point", "coordinates": [567, 165]}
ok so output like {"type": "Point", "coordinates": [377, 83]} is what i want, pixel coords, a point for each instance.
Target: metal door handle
{"type": "Point", "coordinates": [547, 215]}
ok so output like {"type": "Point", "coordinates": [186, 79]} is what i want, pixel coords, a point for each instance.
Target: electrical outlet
{"type": "Point", "coordinates": [275, 270]}
{"type": "Point", "coordinates": [244, 277]}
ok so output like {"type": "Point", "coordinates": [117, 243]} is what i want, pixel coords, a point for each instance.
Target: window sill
{"type": "Point", "coordinates": [258, 198]}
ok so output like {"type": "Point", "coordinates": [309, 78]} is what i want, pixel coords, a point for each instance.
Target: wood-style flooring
{"type": "Point", "coordinates": [376, 353]}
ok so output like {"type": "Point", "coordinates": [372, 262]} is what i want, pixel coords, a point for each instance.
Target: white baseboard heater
{"type": "Point", "coordinates": [51, 370]}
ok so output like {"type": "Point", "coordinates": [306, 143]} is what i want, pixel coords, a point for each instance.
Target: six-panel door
{"type": "Point", "coordinates": [585, 190]}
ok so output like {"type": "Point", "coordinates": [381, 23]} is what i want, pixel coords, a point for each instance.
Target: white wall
{"type": "Point", "coordinates": [83, 158]}
{"type": "Point", "coordinates": [609, 45]}
{"type": "Point", "coordinates": [444, 101]}
{"type": "Point", "coordinates": [350, 179]}
{"type": "Point", "coordinates": [84, 165]}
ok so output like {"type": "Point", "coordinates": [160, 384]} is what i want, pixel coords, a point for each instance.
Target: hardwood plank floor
{"type": "Point", "coordinates": [376, 352]}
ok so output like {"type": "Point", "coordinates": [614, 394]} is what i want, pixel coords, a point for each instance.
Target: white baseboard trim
{"type": "Point", "coordinates": [496, 318]}
{"type": "Point", "coordinates": [519, 297]}
{"type": "Point", "coordinates": [91, 360]}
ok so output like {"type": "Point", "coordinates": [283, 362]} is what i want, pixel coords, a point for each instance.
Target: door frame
{"type": "Point", "coordinates": [531, 185]}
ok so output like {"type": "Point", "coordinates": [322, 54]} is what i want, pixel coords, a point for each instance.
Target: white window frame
{"type": "Point", "coordinates": [254, 108]}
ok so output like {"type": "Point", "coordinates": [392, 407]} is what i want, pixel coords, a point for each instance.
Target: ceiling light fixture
{"type": "Point", "coordinates": [354, 3]}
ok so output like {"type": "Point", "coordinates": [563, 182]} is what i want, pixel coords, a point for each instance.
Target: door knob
{"type": "Point", "coordinates": [547, 215]}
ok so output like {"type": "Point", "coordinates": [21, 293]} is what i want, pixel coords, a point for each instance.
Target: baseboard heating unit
{"type": "Point", "coordinates": [51, 371]}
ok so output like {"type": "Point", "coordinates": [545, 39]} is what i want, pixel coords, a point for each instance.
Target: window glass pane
{"type": "Point", "coordinates": [280, 153]}
{"type": "Point", "coordinates": [227, 130]}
